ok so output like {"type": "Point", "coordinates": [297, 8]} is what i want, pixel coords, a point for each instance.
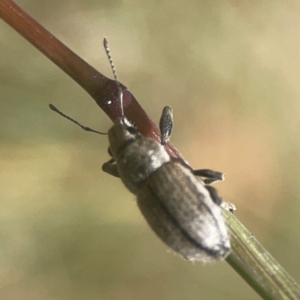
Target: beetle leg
{"type": "Point", "coordinates": [111, 168]}
{"type": "Point", "coordinates": [214, 195]}
{"type": "Point", "coordinates": [109, 152]}
{"type": "Point", "coordinates": [166, 124]}
{"type": "Point", "coordinates": [218, 200]}
{"type": "Point", "coordinates": [228, 206]}
{"type": "Point", "coordinates": [210, 175]}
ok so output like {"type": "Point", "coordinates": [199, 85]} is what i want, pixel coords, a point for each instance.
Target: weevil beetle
{"type": "Point", "coordinates": [177, 202]}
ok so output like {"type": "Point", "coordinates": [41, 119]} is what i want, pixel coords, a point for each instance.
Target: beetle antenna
{"type": "Point", "coordinates": [52, 107]}
{"type": "Point", "coordinates": [108, 53]}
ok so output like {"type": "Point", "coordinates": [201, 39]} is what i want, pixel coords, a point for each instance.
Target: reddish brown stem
{"type": "Point", "coordinates": [102, 89]}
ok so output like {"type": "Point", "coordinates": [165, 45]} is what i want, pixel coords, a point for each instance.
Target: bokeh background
{"type": "Point", "coordinates": [229, 69]}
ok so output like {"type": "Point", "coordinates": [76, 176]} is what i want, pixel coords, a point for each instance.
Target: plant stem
{"type": "Point", "coordinates": [257, 266]}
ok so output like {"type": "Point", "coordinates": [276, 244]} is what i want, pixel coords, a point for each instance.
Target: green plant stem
{"type": "Point", "coordinates": [256, 265]}
{"type": "Point", "coordinates": [249, 258]}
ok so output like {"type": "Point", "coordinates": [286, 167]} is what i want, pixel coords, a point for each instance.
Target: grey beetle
{"type": "Point", "coordinates": [180, 208]}
{"type": "Point", "coordinates": [177, 202]}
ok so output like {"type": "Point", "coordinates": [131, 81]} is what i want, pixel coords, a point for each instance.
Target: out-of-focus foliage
{"type": "Point", "coordinates": [229, 69]}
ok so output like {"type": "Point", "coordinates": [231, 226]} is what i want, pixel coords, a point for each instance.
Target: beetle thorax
{"type": "Point", "coordinates": [136, 156]}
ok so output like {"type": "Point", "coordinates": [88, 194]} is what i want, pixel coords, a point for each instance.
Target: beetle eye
{"type": "Point", "coordinates": [132, 130]}
{"type": "Point", "coordinates": [129, 127]}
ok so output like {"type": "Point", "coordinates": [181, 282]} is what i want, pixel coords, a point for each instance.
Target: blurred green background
{"type": "Point", "coordinates": [229, 69]}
